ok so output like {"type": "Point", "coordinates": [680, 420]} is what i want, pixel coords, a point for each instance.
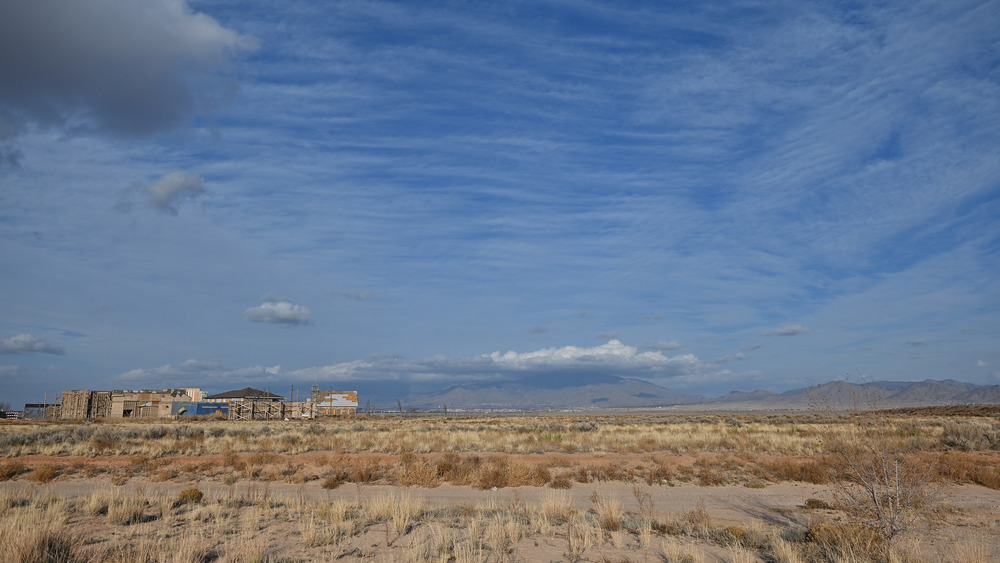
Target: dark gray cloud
{"type": "Point", "coordinates": [196, 372]}
{"type": "Point", "coordinates": [10, 157]}
{"type": "Point", "coordinates": [28, 344]}
{"type": "Point", "coordinates": [277, 310]}
{"type": "Point", "coordinates": [116, 66]}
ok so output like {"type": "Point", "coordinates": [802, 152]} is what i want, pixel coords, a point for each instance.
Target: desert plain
{"type": "Point", "coordinates": [908, 485]}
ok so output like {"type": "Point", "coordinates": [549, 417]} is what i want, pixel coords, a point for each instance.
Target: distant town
{"type": "Point", "coordinates": [239, 404]}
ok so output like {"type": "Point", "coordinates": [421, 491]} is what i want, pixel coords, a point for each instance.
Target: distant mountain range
{"type": "Point", "coordinates": [564, 391]}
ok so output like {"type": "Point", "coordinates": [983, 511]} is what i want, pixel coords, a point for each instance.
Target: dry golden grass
{"type": "Point", "coordinates": [481, 453]}
{"type": "Point", "coordinates": [492, 452]}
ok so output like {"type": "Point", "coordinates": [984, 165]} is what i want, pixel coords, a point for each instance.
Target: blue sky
{"type": "Point", "coordinates": [370, 195]}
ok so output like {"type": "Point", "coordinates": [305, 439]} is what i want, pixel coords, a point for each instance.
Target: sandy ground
{"type": "Point", "coordinates": [972, 514]}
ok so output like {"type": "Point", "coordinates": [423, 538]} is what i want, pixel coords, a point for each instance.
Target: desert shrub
{"type": "Point", "coordinates": [334, 479]}
{"type": "Point", "coordinates": [154, 432]}
{"type": "Point", "coordinates": [494, 473]}
{"type": "Point", "coordinates": [698, 520]}
{"type": "Point", "coordinates": [43, 473]}
{"type": "Point", "coordinates": [965, 435]}
{"type": "Point", "coordinates": [710, 473]}
{"type": "Point", "coordinates": [48, 544]}
{"type": "Point", "coordinates": [11, 469]}
{"type": "Point", "coordinates": [851, 542]}
{"type": "Point", "coordinates": [817, 504]}
{"type": "Point", "coordinates": [987, 476]}
{"type": "Point", "coordinates": [879, 486]}
{"type": "Point", "coordinates": [190, 495]}
{"type": "Point", "coordinates": [955, 467]}
{"type": "Point", "coordinates": [126, 510]}
{"type": "Point", "coordinates": [609, 512]}
{"type": "Point", "coordinates": [414, 471]}
{"type": "Point", "coordinates": [612, 471]}
{"type": "Point", "coordinates": [164, 475]}
{"type": "Point", "coordinates": [561, 481]}
{"type": "Point", "coordinates": [661, 472]}
{"type": "Point", "coordinates": [540, 476]}
{"type": "Point", "coordinates": [119, 478]}
{"type": "Point", "coordinates": [365, 470]}
{"type": "Point", "coordinates": [233, 460]}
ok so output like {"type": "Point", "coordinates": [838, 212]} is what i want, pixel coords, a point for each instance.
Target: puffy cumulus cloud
{"type": "Point", "coordinates": [10, 370]}
{"type": "Point", "coordinates": [789, 330]}
{"type": "Point", "coordinates": [277, 310]}
{"type": "Point", "coordinates": [613, 358]}
{"type": "Point", "coordinates": [28, 344]}
{"type": "Point", "coordinates": [197, 372]}
{"type": "Point", "coordinates": [165, 193]}
{"type": "Point", "coordinates": [117, 66]}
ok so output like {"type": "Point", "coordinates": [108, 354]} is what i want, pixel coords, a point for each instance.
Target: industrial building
{"type": "Point", "coordinates": [240, 404]}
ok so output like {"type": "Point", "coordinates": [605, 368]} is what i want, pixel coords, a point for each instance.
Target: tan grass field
{"type": "Point", "coordinates": [747, 487]}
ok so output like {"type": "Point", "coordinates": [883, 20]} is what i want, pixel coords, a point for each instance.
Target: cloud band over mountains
{"type": "Point", "coordinates": [612, 358]}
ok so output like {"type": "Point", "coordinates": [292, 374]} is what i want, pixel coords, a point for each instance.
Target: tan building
{"type": "Point", "coordinates": [330, 403]}
{"type": "Point", "coordinates": [146, 403]}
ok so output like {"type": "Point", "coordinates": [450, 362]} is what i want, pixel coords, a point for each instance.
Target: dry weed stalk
{"type": "Point", "coordinates": [880, 485]}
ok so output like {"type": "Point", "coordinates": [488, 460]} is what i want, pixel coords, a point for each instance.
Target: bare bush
{"type": "Point", "coordinates": [880, 486]}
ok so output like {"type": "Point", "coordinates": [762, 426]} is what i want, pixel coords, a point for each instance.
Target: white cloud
{"type": "Point", "coordinates": [10, 370]}
{"type": "Point", "coordinates": [613, 357]}
{"type": "Point", "coordinates": [165, 193]}
{"type": "Point", "coordinates": [117, 66]}
{"type": "Point", "coordinates": [981, 364]}
{"type": "Point", "coordinates": [789, 330]}
{"type": "Point", "coordinates": [277, 310]}
{"type": "Point", "coordinates": [28, 344]}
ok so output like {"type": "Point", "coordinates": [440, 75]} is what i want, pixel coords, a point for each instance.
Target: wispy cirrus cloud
{"type": "Point", "coordinates": [788, 330]}
{"type": "Point", "coordinates": [664, 345]}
